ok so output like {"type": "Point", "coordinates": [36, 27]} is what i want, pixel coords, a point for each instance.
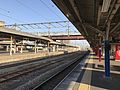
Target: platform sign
{"type": "Point", "coordinates": [117, 52]}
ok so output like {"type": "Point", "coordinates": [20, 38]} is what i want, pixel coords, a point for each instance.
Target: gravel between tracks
{"type": "Point", "coordinates": [31, 84]}
{"type": "Point", "coordinates": [22, 80]}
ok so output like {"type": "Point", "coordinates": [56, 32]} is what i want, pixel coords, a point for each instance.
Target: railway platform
{"type": "Point", "coordinates": [94, 77]}
{"type": "Point", "coordinates": [89, 75]}
{"type": "Point", "coordinates": [5, 58]}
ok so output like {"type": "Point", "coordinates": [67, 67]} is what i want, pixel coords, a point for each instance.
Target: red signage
{"type": "Point", "coordinates": [117, 52]}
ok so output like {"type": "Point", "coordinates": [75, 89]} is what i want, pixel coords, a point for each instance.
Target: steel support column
{"type": "Point", "coordinates": [107, 58]}
{"type": "Point", "coordinates": [107, 54]}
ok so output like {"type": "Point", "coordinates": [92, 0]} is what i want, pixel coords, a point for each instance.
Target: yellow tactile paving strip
{"type": "Point", "coordinates": [86, 77]}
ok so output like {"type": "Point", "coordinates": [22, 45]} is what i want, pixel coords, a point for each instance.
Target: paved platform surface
{"type": "Point", "coordinates": [89, 75]}
{"type": "Point", "coordinates": [6, 58]}
{"type": "Point", "coordinates": [97, 80]}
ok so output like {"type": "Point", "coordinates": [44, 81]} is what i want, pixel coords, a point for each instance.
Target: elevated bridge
{"type": "Point", "coordinates": [62, 35]}
{"type": "Point", "coordinates": [66, 37]}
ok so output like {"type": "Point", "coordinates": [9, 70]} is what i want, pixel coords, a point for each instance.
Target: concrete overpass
{"type": "Point", "coordinates": [66, 37]}
{"type": "Point", "coordinates": [62, 35]}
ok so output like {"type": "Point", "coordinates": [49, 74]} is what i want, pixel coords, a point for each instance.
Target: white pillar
{"type": "Point", "coordinates": [21, 49]}
{"type": "Point", "coordinates": [11, 45]}
{"type": "Point", "coordinates": [57, 48]}
{"type": "Point", "coordinates": [48, 48]}
{"type": "Point", "coordinates": [53, 48]}
{"type": "Point", "coordinates": [15, 47]}
{"type": "Point", "coordinates": [35, 47]}
{"type": "Point", "coordinates": [7, 48]}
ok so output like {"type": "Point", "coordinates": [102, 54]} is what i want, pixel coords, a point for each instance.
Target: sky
{"type": "Point", "coordinates": [33, 11]}
{"type": "Point", "coordinates": [28, 11]}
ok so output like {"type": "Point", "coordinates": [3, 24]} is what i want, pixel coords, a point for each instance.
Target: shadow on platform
{"type": "Point", "coordinates": [98, 80]}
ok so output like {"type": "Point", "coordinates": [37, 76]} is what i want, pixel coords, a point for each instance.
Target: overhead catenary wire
{"type": "Point", "coordinates": [50, 9]}
{"type": "Point", "coordinates": [4, 10]}
{"type": "Point", "coordinates": [31, 9]}
{"type": "Point", "coordinates": [12, 18]}
{"type": "Point", "coordinates": [41, 23]}
{"type": "Point", "coordinates": [44, 24]}
{"type": "Point", "coordinates": [28, 7]}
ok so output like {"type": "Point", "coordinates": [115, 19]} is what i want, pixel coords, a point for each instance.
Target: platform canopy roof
{"type": "Point", "coordinates": [6, 33]}
{"type": "Point", "coordinates": [19, 35]}
{"type": "Point", "coordinates": [94, 19]}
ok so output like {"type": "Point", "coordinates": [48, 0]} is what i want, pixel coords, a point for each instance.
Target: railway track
{"type": "Point", "coordinates": [2, 66]}
{"type": "Point", "coordinates": [15, 79]}
{"type": "Point", "coordinates": [11, 75]}
{"type": "Point", "coordinates": [54, 80]}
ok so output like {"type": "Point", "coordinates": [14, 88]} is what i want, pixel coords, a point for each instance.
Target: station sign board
{"type": "Point", "coordinates": [117, 52]}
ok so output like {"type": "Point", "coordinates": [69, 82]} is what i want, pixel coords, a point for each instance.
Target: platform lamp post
{"type": "Point", "coordinates": [107, 54]}
{"type": "Point", "coordinates": [68, 30]}
{"type": "Point", "coordinates": [49, 30]}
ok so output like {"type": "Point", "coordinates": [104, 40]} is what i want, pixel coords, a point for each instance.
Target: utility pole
{"type": "Point", "coordinates": [68, 30]}
{"type": "Point", "coordinates": [49, 30]}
